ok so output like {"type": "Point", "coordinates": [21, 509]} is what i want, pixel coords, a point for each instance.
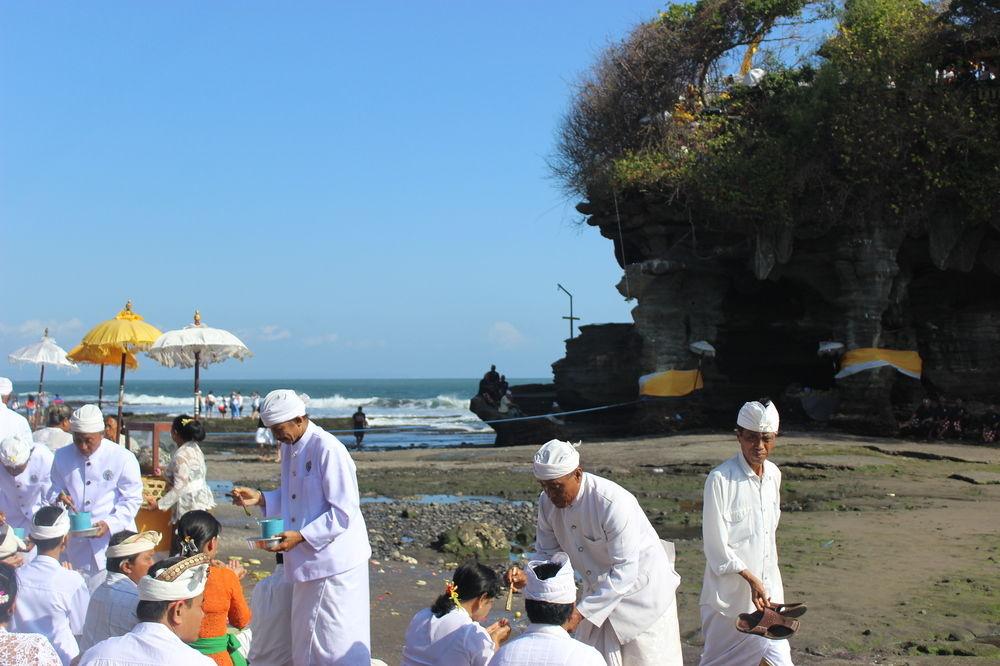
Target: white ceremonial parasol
{"type": "Point", "coordinates": [197, 346]}
{"type": "Point", "coordinates": [44, 352]}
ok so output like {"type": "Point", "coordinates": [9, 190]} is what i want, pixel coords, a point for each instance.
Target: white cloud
{"type": "Point", "coordinates": [273, 332]}
{"type": "Point", "coordinates": [505, 335]}
{"type": "Point", "coordinates": [320, 340]}
{"type": "Point", "coordinates": [33, 328]}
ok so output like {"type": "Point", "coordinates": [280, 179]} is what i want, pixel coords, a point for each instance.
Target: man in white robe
{"type": "Point", "coordinates": [112, 605]}
{"type": "Point", "coordinates": [270, 607]}
{"type": "Point", "coordinates": [325, 542]}
{"type": "Point", "coordinates": [627, 608]}
{"type": "Point", "coordinates": [741, 512]}
{"type": "Point", "coordinates": [98, 476]}
{"type": "Point", "coordinates": [51, 600]}
{"type": "Point", "coordinates": [56, 434]}
{"type": "Point", "coordinates": [550, 597]}
{"type": "Point", "coordinates": [24, 480]}
{"type": "Point", "coordinates": [170, 616]}
{"type": "Point", "coordinates": [11, 423]}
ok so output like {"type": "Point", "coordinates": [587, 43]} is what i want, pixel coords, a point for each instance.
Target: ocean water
{"type": "Point", "coordinates": [401, 412]}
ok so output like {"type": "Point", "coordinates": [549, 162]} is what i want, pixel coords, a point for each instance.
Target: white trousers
{"type": "Point", "coordinates": [724, 646]}
{"type": "Point", "coordinates": [331, 620]}
{"type": "Point", "coordinates": [660, 645]}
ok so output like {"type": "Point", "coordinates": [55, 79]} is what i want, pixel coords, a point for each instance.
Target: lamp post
{"type": "Point", "coordinates": [571, 318]}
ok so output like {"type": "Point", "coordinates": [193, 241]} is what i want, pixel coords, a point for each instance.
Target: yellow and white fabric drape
{"type": "Point", "coordinates": [670, 383]}
{"type": "Point", "coordinates": [867, 358]}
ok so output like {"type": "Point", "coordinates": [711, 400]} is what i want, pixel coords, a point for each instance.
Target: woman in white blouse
{"type": "Point", "coordinates": [448, 633]}
{"type": "Point", "coordinates": [20, 649]}
{"type": "Point", "coordinates": [186, 472]}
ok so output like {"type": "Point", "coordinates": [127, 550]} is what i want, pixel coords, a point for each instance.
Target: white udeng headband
{"type": "Point", "coordinates": [555, 459]}
{"type": "Point", "coordinates": [185, 580]}
{"type": "Point", "coordinates": [135, 544]}
{"type": "Point", "coordinates": [559, 589]}
{"type": "Point", "coordinates": [281, 405]}
{"type": "Point", "coordinates": [56, 530]}
{"type": "Point", "coordinates": [10, 544]}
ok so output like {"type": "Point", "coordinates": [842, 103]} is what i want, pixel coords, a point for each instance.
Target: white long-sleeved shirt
{"type": "Point", "coordinates": [148, 644]}
{"type": "Point", "coordinates": [628, 579]}
{"type": "Point", "coordinates": [22, 495]}
{"type": "Point", "coordinates": [108, 484]}
{"type": "Point", "coordinates": [271, 623]}
{"type": "Point", "coordinates": [189, 489]}
{"type": "Point", "coordinates": [51, 601]}
{"type": "Point", "coordinates": [319, 498]}
{"type": "Point", "coordinates": [741, 513]}
{"type": "Point", "coordinates": [454, 639]}
{"type": "Point", "coordinates": [546, 645]}
{"type": "Point", "coordinates": [54, 438]}
{"type": "Point", "coordinates": [111, 611]}
{"type": "Point", "coordinates": [12, 423]}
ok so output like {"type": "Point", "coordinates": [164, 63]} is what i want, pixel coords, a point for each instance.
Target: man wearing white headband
{"type": "Point", "coordinates": [325, 542]}
{"type": "Point", "coordinates": [549, 601]}
{"type": "Point", "coordinates": [741, 512]}
{"type": "Point", "coordinates": [51, 599]}
{"type": "Point", "coordinates": [112, 605]}
{"type": "Point", "coordinates": [170, 616]}
{"type": "Point", "coordinates": [98, 476]}
{"type": "Point", "coordinates": [11, 423]}
{"type": "Point", "coordinates": [627, 608]}
{"type": "Point", "coordinates": [24, 480]}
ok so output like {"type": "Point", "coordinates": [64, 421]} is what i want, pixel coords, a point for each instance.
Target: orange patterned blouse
{"type": "Point", "coordinates": [224, 605]}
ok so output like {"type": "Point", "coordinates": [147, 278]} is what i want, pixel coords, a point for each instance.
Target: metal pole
{"type": "Point", "coordinates": [38, 402]}
{"type": "Point", "coordinates": [121, 400]}
{"type": "Point", "coordinates": [571, 318]}
{"type": "Point", "coordinates": [197, 389]}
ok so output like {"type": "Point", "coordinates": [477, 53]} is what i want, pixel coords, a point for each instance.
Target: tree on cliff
{"type": "Point", "coordinates": [881, 123]}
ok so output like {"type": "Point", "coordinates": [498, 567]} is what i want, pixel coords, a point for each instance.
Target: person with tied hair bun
{"type": "Point", "coordinates": [186, 473]}
{"type": "Point", "coordinates": [224, 604]}
{"type": "Point", "coordinates": [21, 649]}
{"type": "Point", "coordinates": [448, 633]}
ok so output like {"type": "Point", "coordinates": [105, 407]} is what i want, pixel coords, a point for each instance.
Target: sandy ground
{"type": "Point", "coordinates": [894, 545]}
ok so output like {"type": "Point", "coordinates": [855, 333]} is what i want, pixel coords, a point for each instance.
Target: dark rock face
{"type": "Point", "coordinates": [766, 297]}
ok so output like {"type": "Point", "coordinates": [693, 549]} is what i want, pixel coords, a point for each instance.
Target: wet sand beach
{"type": "Point", "coordinates": [894, 545]}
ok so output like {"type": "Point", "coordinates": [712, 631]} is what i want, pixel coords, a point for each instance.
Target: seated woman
{"type": "Point", "coordinates": [224, 604]}
{"type": "Point", "coordinates": [448, 633]}
{"type": "Point", "coordinates": [186, 472]}
{"type": "Point", "coordinates": [21, 649]}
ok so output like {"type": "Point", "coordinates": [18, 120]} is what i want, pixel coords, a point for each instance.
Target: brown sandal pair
{"type": "Point", "coordinates": [769, 623]}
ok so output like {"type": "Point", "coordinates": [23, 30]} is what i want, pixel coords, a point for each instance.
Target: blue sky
{"type": "Point", "coordinates": [359, 189]}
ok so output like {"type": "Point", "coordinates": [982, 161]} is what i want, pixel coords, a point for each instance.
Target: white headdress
{"type": "Point", "coordinates": [56, 530]}
{"type": "Point", "coordinates": [6, 386]}
{"type": "Point", "coordinates": [14, 451]}
{"type": "Point", "coordinates": [135, 544]}
{"type": "Point", "coordinates": [280, 406]}
{"type": "Point", "coordinates": [559, 589]}
{"type": "Point", "coordinates": [556, 458]}
{"type": "Point", "coordinates": [87, 419]}
{"type": "Point", "coordinates": [758, 418]}
{"type": "Point", "coordinates": [10, 543]}
{"type": "Point", "coordinates": [184, 580]}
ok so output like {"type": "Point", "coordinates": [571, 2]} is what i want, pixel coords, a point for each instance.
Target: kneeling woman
{"type": "Point", "coordinates": [448, 633]}
{"type": "Point", "coordinates": [186, 472]}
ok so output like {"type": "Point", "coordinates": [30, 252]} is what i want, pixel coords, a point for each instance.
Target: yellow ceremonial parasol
{"type": "Point", "coordinates": [122, 336]}
{"type": "Point", "coordinates": [84, 354]}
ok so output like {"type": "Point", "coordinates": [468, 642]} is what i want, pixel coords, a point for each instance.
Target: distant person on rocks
{"type": "Point", "coordinates": [209, 405]}
{"type": "Point", "coordinates": [112, 605]}
{"type": "Point", "coordinates": [991, 425]}
{"type": "Point", "coordinates": [549, 600]}
{"type": "Point", "coordinates": [360, 421]}
{"type": "Point", "coordinates": [503, 386]}
{"type": "Point", "coordinates": [627, 609]}
{"type": "Point", "coordinates": [507, 405]}
{"type": "Point", "coordinates": [921, 424]}
{"type": "Point", "coordinates": [448, 633]}
{"type": "Point", "coordinates": [238, 400]}
{"type": "Point", "coordinates": [11, 423]}
{"type": "Point", "coordinates": [740, 518]}
{"type": "Point", "coordinates": [255, 405]}
{"type": "Point", "coordinates": [493, 377]}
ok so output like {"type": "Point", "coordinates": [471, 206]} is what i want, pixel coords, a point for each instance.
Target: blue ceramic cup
{"type": "Point", "coordinates": [271, 527]}
{"type": "Point", "coordinates": [80, 521]}
{"type": "Point", "coordinates": [19, 532]}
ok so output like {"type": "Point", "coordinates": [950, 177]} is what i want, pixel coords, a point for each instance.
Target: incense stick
{"type": "Point", "coordinates": [509, 605]}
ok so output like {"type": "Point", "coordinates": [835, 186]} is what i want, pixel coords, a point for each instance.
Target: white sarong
{"type": "Point", "coordinates": [330, 620]}
{"type": "Point", "coordinates": [660, 645]}
{"type": "Point", "coordinates": [724, 646]}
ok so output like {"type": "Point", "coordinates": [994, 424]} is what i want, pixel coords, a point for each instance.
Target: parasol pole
{"type": "Point", "coordinates": [121, 396]}
{"type": "Point", "coordinates": [197, 389]}
{"type": "Point", "coordinates": [100, 388]}
{"type": "Point", "coordinates": [38, 403]}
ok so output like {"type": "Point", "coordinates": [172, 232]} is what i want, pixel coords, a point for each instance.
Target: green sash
{"type": "Point", "coordinates": [225, 643]}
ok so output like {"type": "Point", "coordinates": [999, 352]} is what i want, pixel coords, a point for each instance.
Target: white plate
{"type": "Point", "coordinates": [257, 543]}
{"type": "Point", "coordinates": [92, 532]}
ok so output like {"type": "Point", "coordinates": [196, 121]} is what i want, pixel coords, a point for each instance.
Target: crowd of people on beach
{"type": "Point", "coordinates": [209, 404]}
{"type": "Point", "coordinates": [942, 419]}
{"type": "Point", "coordinates": [81, 584]}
